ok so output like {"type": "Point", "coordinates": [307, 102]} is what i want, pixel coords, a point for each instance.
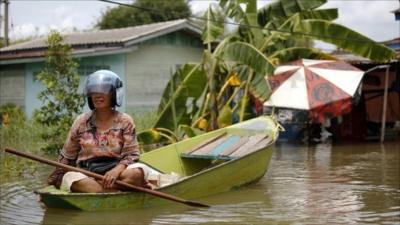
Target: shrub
{"type": "Point", "coordinates": [61, 100]}
{"type": "Point", "coordinates": [11, 113]}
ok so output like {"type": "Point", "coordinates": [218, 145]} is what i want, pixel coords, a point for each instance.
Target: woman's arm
{"type": "Point", "coordinates": [68, 154]}
{"type": "Point", "coordinates": [130, 152]}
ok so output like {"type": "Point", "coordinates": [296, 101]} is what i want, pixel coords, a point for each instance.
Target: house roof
{"type": "Point", "coordinates": [396, 11]}
{"type": "Point", "coordinates": [393, 42]}
{"type": "Point", "coordinates": [354, 59]}
{"type": "Point", "coordinates": [350, 58]}
{"type": "Point", "coordinates": [101, 39]}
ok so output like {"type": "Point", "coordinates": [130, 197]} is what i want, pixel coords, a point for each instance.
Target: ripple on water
{"type": "Point", "coordinates": [240, 213]}
{"type": "Point", "coordinates": [19, 205]}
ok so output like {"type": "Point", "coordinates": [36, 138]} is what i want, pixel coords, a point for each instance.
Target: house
{"type": "Point", "coordinates": [365, 120]}
{"type": "Point", "coordinates": [396, 14]}
{"type": "Point", "coordinates": [144, 56]}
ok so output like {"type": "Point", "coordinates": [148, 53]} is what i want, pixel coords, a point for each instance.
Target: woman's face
{"type": "Point", "coordinates": [101, 101]}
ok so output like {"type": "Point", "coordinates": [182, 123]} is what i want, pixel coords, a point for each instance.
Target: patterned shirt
{"type": "Point", "coordinates": [86, 142]}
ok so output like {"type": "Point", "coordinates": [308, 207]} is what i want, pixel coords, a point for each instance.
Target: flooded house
{"type": "Point", "coordinates": [376, 116]}
{"type": "Point", "coordinates": [379, 102]}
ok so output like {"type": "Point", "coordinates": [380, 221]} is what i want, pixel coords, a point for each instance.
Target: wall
{"type": "Point", "coordinates": [374, 97]}
{"type": "Point", "coordinates": [149, 67]}
{"type": "Point", "coordinates": [12, 85]}
{"type": "Point", "coordinates": [32, 87]}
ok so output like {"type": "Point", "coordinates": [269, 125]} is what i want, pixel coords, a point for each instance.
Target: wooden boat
{"type": "Point", "coordinates": [210, 163]}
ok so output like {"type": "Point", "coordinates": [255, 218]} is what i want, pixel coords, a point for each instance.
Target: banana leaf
{"type": "Point", "coordinates": [178, 78]}
{"type": "Point", "coordinates": [294, 53]}
{"type": "Point", "coordinates": [189, 82]}
{"type": "Point", "coordinates": [322, 14]}
{"type": "Point", "coordinates": [190, 131]}
{"type": "Point", "coordinates": [213, 29]}
{"type": "Point", "coordinates": [247, 54]}
{"type": "Point", "coordinates": [344, 38]}
{"type": "Point", "coordinates": [285, 8]}
{"type": "Point", "coordinates": [225, 117]}
{"type": "Point", "coordinates": [259, 86]}
{"type": "Point", "coordinates": [234, 10]}
{"type": "Point", "coordinates": [256, 33]}
{"type": "Point", "coordinates": [245, 103]}
{"type": "Point", "coordinates": [149, 136]}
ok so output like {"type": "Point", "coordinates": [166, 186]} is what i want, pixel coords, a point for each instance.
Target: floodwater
{"type": "Point", "coordinates": [344, 184]}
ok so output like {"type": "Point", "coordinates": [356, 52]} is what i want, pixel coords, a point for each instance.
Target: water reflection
{"type": "Point", "coordinates": [344, 184]}
{"type": "Point", "coordinates": [19, 204]}
{"type": "Point", "coordinates": [323, 184]}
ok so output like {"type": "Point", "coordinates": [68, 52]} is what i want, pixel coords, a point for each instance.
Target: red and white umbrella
{"type": "Point", "coordinates": [323, 87]}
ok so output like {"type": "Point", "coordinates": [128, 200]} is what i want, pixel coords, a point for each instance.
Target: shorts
{"type": "Point", "coordinates": [70, 177]}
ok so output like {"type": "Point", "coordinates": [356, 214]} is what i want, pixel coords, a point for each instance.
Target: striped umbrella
{"type": "Point", "coordinates": [323, 87]}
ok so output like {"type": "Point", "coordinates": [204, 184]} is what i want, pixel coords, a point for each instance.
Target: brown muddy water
{"type": "Point", "coordinates": [344, 184]}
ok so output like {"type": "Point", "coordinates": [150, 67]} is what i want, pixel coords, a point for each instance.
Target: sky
{"type": "Point", "coordinates": [372, 18]}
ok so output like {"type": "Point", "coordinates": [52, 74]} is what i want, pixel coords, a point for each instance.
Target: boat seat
{"type": "Point", "coordinates": [226, 147]}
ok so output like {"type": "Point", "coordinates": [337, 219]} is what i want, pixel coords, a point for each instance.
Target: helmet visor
{"type": "Point", "coordinates": [98, 88]}
{"type": "Point", "coordinates": [100, 82]}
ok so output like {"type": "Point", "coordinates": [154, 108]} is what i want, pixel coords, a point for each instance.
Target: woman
{"type": "Point", "coordinates": [102, 140]}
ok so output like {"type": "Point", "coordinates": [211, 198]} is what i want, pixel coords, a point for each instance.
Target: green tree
{"type": "Point", "coordinates": [161, 10]}
{"type": "Point", "coordinates": [61, 100]}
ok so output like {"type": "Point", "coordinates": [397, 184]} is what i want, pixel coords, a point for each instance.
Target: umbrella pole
{"type": "Point", "coordinates": [385, 94]}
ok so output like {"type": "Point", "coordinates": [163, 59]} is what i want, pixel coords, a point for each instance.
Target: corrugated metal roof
{"type": "Point", "coordinates": [350, 58]}
{"type": "Point", "coordinates": [393, 41]}
{"type": "Point", "coordinates": [354, 59]}
{"type": "Point", "coordinates": [101, 37]}
{"type": "Point", "coordinates": [396, 11]}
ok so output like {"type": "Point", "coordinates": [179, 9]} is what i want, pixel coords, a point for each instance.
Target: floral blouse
{"type": "Point", "coordinates": [86, 142]}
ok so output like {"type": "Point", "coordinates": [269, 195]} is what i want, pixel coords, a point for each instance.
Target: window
{"type": "Point", "coordinates": [85, 70]}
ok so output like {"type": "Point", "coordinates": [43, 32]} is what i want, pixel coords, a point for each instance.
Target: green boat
{"type": "Point", "coordinates": [211, 163]}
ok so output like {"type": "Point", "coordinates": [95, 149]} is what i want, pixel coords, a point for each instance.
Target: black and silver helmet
{"type": "Point", "coordinates": [104, 81]}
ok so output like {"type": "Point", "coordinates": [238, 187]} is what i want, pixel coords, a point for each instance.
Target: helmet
{"type": "Point", "coordinates": [104, 81]}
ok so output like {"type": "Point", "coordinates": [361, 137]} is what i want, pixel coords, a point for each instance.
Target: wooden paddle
{"type": "Point", "coordinates": [100, 177]}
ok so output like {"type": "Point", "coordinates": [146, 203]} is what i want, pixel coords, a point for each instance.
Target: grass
{"type": "Point", "coordinates": [23, 136]}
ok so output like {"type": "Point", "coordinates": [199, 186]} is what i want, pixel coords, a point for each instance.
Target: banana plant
{"type": "Point", "coordinates": [218, 90]}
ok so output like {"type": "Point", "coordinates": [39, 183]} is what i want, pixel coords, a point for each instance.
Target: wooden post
{"type": "Point", "coordinates": [385, 93]}
{"type": "Point", "coordinates": [6, 40]}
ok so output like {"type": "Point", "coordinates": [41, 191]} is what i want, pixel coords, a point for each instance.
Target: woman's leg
{"type": "Point", "coordinates": [134, 176]}
{"type": "Point", "coordinates": [87, 185]}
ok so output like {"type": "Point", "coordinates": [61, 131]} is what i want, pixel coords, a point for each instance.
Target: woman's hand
{"type": "Point", "coordinates": [111, 176]}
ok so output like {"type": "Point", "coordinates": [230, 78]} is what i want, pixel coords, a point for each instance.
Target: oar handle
{"type": "Point", "coordinates": [100, 177]}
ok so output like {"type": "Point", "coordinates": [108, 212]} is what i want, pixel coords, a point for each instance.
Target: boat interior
{"type": "Point", "coordinates": [194, 155]}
